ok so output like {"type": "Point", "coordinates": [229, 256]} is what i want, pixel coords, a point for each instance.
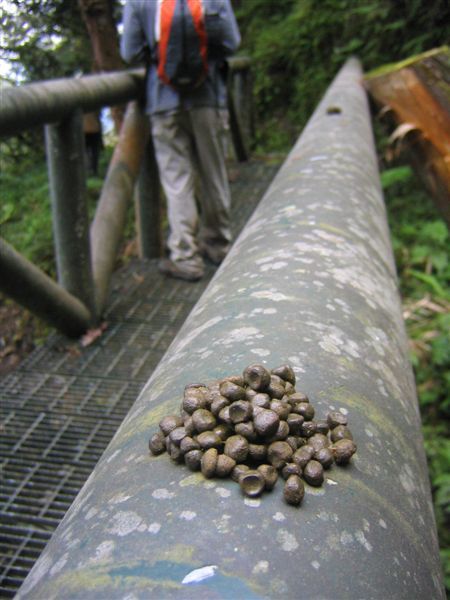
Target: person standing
{"type": "Point", "coordinates": [188, 128]}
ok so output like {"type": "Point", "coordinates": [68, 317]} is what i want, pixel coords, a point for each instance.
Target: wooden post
{"type": "Point", "coordinates": [67, 175]}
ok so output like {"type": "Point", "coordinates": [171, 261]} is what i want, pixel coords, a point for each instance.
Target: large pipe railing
{"type": "Point", "coordinates": [58, 105]}
{"type": "Point", "coordinates": [310, 281]}
{"type": "Point", "coordinates": [50, 101]}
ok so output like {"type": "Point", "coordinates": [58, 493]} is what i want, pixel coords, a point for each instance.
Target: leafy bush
{"type": "Point", "coordinates": [299, 45]}
{"type": "Point", "coordinates": [420, 241]}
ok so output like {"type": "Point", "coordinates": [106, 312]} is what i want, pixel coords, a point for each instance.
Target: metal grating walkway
{"type": "Point", "coordinates": [62, 406]}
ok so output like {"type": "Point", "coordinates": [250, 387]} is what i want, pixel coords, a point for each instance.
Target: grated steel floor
{"type": "Point", "coordinates": [61, 407]}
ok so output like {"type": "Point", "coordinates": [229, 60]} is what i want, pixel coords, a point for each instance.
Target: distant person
{"type": "Point", "coordinates": [93, 140]}
{"type": "Point", "coordinates": [188, 125]}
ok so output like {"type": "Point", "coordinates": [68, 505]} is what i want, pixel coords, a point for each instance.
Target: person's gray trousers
{"type": "Point", "coordinates": [188, 144]}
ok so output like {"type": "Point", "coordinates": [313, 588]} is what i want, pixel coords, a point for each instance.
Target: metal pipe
{"type": "Point", "coordinates": [235, 112]}
{"type": "Point", "coordinates": [50, 101]}
{"type": "Point", "coordinates": [311, 282]}
{"type": "Point", "coordinates": [239, 63]}
{"type": "Point", "coordinates": [117, 192]}
{"type": "Point", "coordinates": [148, 206]}
{"type": "Point", "coordinates": [67, 177]}
{"type": "Point", "coordinates": [32, 288]}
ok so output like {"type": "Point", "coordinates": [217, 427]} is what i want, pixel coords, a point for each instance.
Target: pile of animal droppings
{"type": "Point", "coordinates": [252, 428]}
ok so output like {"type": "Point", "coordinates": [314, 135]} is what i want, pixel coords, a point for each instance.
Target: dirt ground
{"type": "Point", "coordinates": [20, 331]}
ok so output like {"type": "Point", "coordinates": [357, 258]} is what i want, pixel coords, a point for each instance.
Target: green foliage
{"type": "Point", "coordinates": [25, 212]}
{"type": "Point", "coordinates": [299, 45]}
{"type": "Point", "coordinates": [420, 241]}
{"type": "Point", "coordinates": [43, 39]}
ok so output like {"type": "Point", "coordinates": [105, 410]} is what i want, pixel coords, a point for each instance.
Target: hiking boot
{"type": "Point", "coordinates": [214, 254]}
{"type": "Point", "coordinates": [178, 270]}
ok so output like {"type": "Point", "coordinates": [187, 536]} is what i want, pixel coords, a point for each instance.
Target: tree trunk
{"type": "Point", "coordinates": [98, 17]}
{"type": "Point", "coordinates": [416, 93]}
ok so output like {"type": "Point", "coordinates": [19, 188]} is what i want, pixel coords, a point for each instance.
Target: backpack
{"type": "Point", "coordinates": [183, 44]}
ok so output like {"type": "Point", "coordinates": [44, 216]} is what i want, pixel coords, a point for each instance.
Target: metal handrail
{"type": "Point", "coordinates": [310, 281]}
{"type": "Point", "coordinates": [50, 101]}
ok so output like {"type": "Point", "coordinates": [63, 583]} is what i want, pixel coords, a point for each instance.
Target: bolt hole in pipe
{"type": "Point", "coordinates": [334, 110]}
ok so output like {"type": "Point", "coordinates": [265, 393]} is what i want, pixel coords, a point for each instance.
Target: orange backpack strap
{"type": "Point", "coordinates": [166, 16]}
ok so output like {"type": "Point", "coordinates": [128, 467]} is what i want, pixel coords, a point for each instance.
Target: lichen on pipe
{"type": "Point", "coordinates": [311, 282]}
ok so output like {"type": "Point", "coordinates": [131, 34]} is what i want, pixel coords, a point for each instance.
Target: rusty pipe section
{"type": "Point", "coordinates": [117, 193]}
{"type": "Point", "coordinates": [50, 101]}
{"type": "Point", "coordinates": [311, 282]}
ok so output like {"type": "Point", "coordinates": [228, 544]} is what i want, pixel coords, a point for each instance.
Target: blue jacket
{"type": "Point", "coordinates": [138, 44]}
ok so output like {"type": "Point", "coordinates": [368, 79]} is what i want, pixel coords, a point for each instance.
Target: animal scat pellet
{"type": "Point", "coordinates": [313, 473]}
{"type": "Point", "coordinates": [209, 462]}
{"type": "Point", "coordinates": [253, 427]}
{"type": "Point", "coordinates": [290, 469]}
{"type": "Point", "coordinates": [236, 447]}
{"type": "Point", "coordinates": [285, 372]}
{"type": "Point", "coordinates": [281, 433]}
{"type": "Point", "coordinates": [252, 483]}
{"type": "Point", "coordinates": [238, 471]}
{"type": "Point", "coordinates": [169, 423]}
{"type": "Point", "coordinates": [270, 475]}
{"type": "Point", "coordinates": [324, 456]}
{"type": "Point", "coordinates": [203, 420]}
{"type": "Point", "coordinates": [231, 390]}
{"type": "Point", "coordinates": [240, 411]}
{"type": "Point", "coordinates": [336, 418]}
{"type": "Point", "coordinates": [257, 377]}
{"type": "Point", "coordinates": [157, 443]}
{"type": "Point", "coordinates": [225, 464]}
{"type": "Point", "coordinates": [294, 490]}
{"type": "Point", "coordinates": [343, 450]}
{"type": "Point", "coordinates": [266, 422]}
{"type": "Point", "coordinates": [340, 432]}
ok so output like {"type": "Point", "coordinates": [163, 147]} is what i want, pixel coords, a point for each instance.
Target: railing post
{"type": "Point", "coordinates": [242, 99]}
{"type": "Point", "coordinates": [148, 206]}
{"type": "Point", "coordinates": [109, 221]}
{"type": "Point", "coordinates": [237, 92]}
{"type": "Point", "coordinates": [67, 177]}
{"type": "Point", "coordinates": [35, 290]}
